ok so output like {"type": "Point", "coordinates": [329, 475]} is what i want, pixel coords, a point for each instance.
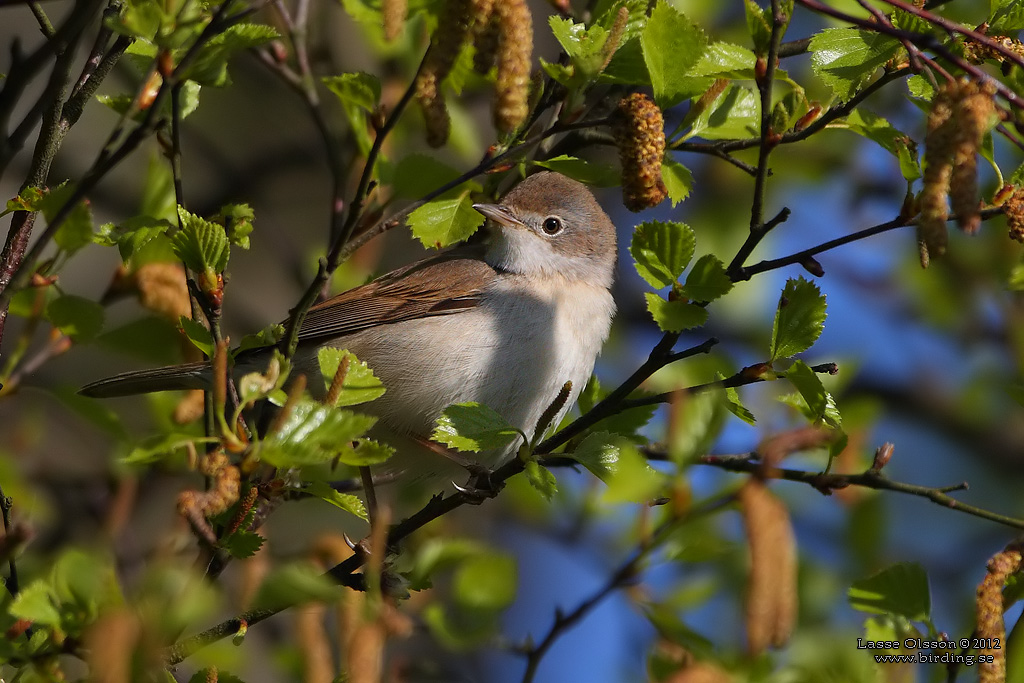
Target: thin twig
{"type": "Point", "coordinates": [620, 578]}
{"type": "Point", "coordinates": [769, 140]}
{"type": "Point", "coordinates": [872, 479]}
{"type": "Point", "coordinates": [927, 42]}
{"type": "Point", "coordinates": [798, 257]}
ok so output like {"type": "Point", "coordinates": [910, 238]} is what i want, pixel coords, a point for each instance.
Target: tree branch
{"type": "Point", "coordinates": [872, 479]}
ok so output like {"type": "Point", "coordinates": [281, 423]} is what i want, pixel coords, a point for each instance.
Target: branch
{"type": "Point", "coordinates": [926, 41]}
{"type": "Point", "coordinates": [769, 139]}
{"type": "Point", "coordinates": [340, 237]}
{"type": "Point", "coordinates": [799, 257]}
{"type": "Point", "coordinates": [751, 374]}
{"type": "Point", "coordinates": [111, 154]}
{"type": "Point", "coordinates": [872, 479]}
{"type": "Point", "coordinates": [620, 578]}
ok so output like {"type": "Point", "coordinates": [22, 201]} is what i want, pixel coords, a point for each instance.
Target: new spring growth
{"type": "Point", "coordinates": [393, 14]}
{"type": "Point", "coordinates": [771, 602]}
{"type": "Point", "coordinates": [452, 28]}
{"type": "Point", "coordinates": [485, 38]}
{"type": "Point", "coordinates": [989, 607]}
{"type": "Point", "coordinates": [502, 34]}
{"type": "Point", "coordinates": [639, 131]}
{"type": "Point", "coordinates": [1013, 207]}
{"type": "Point", "coordinates": [515, 49]}
{"type": "Point", "coordinates": [197, 507]}
{"type": "Point", "coordinates": [963, 112]}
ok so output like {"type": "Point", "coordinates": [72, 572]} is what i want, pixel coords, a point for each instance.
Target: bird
{"type": "Point", "coordinates": [506, 323]}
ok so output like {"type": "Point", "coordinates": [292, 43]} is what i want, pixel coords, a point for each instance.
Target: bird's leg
{"type": "Point", "coordinates": [479, 487]}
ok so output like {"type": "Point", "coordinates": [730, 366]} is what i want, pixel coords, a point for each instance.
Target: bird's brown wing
{"type": "Point", "coordinates": [442, 285]}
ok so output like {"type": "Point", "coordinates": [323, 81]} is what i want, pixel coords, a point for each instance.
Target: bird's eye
{"type": "Point", "coordinates": [552, 225]}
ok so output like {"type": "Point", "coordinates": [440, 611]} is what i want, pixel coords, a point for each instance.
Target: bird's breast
{"type": "Point", "coordinates": [513, 352]}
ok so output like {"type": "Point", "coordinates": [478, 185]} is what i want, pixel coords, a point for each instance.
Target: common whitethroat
{"type": "Point", "coordinates": [505, 324]}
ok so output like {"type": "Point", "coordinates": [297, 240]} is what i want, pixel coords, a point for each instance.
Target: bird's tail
{"type": "Point", "coordinates": [172, 377]}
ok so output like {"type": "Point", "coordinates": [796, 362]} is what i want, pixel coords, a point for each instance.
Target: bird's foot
{"type": "Point", "coordinates": [481, 486]}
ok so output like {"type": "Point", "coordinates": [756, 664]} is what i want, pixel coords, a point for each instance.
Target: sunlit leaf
{"type": "Point", "coordinates": [799, 320]}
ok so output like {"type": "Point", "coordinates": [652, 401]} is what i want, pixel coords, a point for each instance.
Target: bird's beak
{"type": "Point", "coordinates": [499, 214]}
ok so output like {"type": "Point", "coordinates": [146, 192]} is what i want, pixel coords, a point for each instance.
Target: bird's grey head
{"type": "Point", "coordinates": [552, 225]}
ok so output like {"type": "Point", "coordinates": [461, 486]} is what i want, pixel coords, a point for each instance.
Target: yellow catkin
{"type": "Point", "coordinates": [435, 111]}
{"type": "Point", "coordinates": [515, 52]}
{"type": "Point", "coordinates": [639, 130]}
{"type": "Point", "coordinates": [940, 141]}
{"type": "Point", "coordinates": [989, 608]}
{"type": "Point", "coordinates": [1014, 208]}
{"type": "Point", "coordinates": [771, 603]}
{"type": "Point", "coordinates": [162, 289]}
{"type": "Point", "coordinates": [974, 115]}
{"type": "Point", "coordinates": [486, 29]}
{"type": "Point", "coordinates": [452, 29]}
{"type": "Point", "coordinates": [394, 13]}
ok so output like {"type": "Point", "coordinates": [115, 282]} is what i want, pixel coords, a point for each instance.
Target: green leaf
{"type": "Point", "coordinates": [201, 244]}
{"type": "Point", "coordinates": [632, 480]}
{"type": "Point", "coordinates": [677, 178]}
{"type": "Point", "coordinates": [359, 94]}
{"type": "Point", "coordinates": [158, 446]}
{"type": "Point", "coordinates": [597, 175]}
{"type": "Point", "coordinates": [360, 89]}
{"type": "Point", "coordinates": [197, 334]}
{"type": "Point", "coordinates": [345, 501]}
{"type": "Point", "coordinates": [799, 320]}
{"type": "Point", "coordinates": [901, 589]}
{"type": "Point", "coordinates": [880, 131]}
{"type": "Point", "coordinates": [700, 420]}
{"type": "Point", "coordinates": [759, 23]}
{"type": "Point", "coordinates": [76, 230]}
{"type": "Point", "coordinates": [296, 584]}
{"type": "Point", "coordinates": [726, 60]}
{"type": "Point", "coordinates": [671, 44]}
{"type": "Point", "coordinates": [920, 87]}
{"type": "Point", "coordinates": [211, 65]}
{"type": "Point", "coordinates": [736, 113]}
{"type": "Point", "coordinates": [37, 603]}
{"type": "Point", "coordinates": [268, 336]}
{"type": "Point", "coordinates": [847, 58]}
{"type": "Point", "coordinates": [541, 478]}
{"type": "Point", "coordinates": [707, 280]}
{"type": "Point", "coordinates": [661, 251]}
{"type": "Point", "coordinates": [237, 221]}
{"type": "Point", "coordinates": [77, 317]}
{"type": "Point", "coordinates": [485, 582]}
{"type": "Point", "coordinates": [243, 544]}
{"type": "Point", "coordinates": [445, 221]}
{"type": "Point", "coordinates": [360, 384]}
{"type": "Point", "coordinates": [314, 434]}
{"type": "Point", "coordinates": [474, 427]}
{"type": "Point", "coordinates": [1007, 17]}
{"type": "Point", "coordinates": [820, 404]}
{"type": "Point", "coordinates": [417, 174]}
{"type": "Point", "coordinates": [368, 452]}
{"type": "Point", "coordinates": [675, 316]}
{"type": "Point", "coordinates": [599, 453]}
{"type": "Point", "coordinates": [83, 584]}
{"type": "Point", "coordinates": [735, 405]}
{"type": "Point", "coordinates": [584, 45]}
{"type": "Point", "coordinates": [133, 236]}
